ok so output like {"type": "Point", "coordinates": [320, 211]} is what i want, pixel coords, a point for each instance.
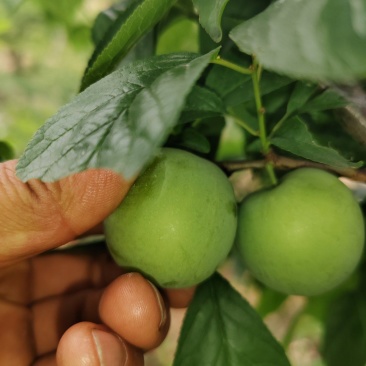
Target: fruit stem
{"type": "Point", "coordinates": [261, 119]}
{"type": "Point", "coordinates": [232, 66]}
{"type": "Point", "coordinates": [260, 108]}
{"type": "Point", "coordinates": [271, 173]}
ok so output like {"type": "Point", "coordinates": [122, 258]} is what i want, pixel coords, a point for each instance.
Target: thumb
{"type": "Point", "coordinates": [37, 216]}
{"type": "Point", "coordinates": [95, 345]}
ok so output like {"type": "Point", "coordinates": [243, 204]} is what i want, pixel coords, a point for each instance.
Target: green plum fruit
{"type": "Point", "coordinates": [177, 222]}
{"type": "Point", "coordinates": [304, 236]}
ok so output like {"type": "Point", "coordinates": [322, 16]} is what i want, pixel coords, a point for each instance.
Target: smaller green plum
{"type": "Point", "coordinates": [303, 237]}
{"type": "Point", "coordinates": [177, 223]}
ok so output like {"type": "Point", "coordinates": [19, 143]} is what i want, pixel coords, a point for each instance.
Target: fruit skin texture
{"type": "Point", "coordinates": [304, 236]}
{"type": "Point", "coordinates": [177, 223]}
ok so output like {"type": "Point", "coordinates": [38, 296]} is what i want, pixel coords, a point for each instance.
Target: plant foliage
{"type": "Point", "coordinates": [266, 82]}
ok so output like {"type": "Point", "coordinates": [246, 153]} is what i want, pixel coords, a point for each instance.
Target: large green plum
{"type": "Point", "coordinates": [177, 222]}
{"type": "Point", "coordinates": [304, 236]}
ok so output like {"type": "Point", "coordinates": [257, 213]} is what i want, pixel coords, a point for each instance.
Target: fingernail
{"type": "Point", "coordinates": [111, 350]}
{"type": "Point", "coordinates": [163, 315]}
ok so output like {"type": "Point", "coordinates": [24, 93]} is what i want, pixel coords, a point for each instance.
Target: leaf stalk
{"type": "Point", "coordinates": [232, 66]}
{"type": "Point", "coordinates": [261, 119]}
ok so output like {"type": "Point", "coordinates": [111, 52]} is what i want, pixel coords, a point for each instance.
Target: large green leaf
{"type": "Point", "coordinates": [210, 13]}
{"type": "Point", "coordinates": [293, 136]}
{"type": "Point", "coordinates": [117, 123]}
{"type": "Point", "coordinates": [127, 29]}
{"type": "Point", "coordinates": [345, 335]}
{"type": "Point", "coordinates": [221, 329]}
{"type": "Point", "coordinates": [313, 39]}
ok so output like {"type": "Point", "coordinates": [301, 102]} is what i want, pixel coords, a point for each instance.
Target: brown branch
{"type": "Point", "coordinates": [232, 166]}
{"type": "Point", "coordinates": [286, 163]}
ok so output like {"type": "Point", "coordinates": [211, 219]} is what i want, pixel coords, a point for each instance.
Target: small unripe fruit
{"type": "Point", "coordinates": [177, 222]}
{"type": "Point", "coordinates": [304, 236]}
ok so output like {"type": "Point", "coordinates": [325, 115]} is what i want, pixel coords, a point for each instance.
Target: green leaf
{"type": "Point", "coordinates": [107, 18]}
{"type": "Point", "coordinates": [210, 13]}
{"type": "Point", "coordinates": [328, 131]}
{"type": "Point", "coordinates": [235, 88]}
{"type": "Point", "coordinates": [211, 128]}
{"type": "Point", "coordinates": [306, 98]}
{"type": "Point", "coordinates": [221, 329]}
{"type": "Point", "coordinates": [225, 81]}
{"type": "Point", "coordinates": [117, 123]}
{"type": "Point", "coordinates": [202, 103]}
{"type": "Point", "coordinates": [345, 333]}
{"type": "Point", "coordinates": [243, 116]}
{"type": "Point", "coordinates": [194, 140]}
{"type": "Point", "coordinates": [293, 136]}
{"type": "Point", "coordinates": [6, 151]}
{"type": "Point", "coordinates": [235, 12]}
{"type": "Point", "coordinates": [276, 101]}
{"type": "Point", "coordinates": [144, 48]}
{"type": "Point", "coordinates": [314, 40]}
{"type": "Point", "coordinates": [129, 27]}
{"type": "Point", "coordinates": [328, 99]}
{"type": "Point", "coordinates": [300, 95]}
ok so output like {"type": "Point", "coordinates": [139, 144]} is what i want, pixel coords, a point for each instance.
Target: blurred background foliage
{"type": "Point", "coordinates": [44, 47]}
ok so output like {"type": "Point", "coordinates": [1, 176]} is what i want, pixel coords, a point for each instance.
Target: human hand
{"type": "Point", "coordinates": [64, 308]}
